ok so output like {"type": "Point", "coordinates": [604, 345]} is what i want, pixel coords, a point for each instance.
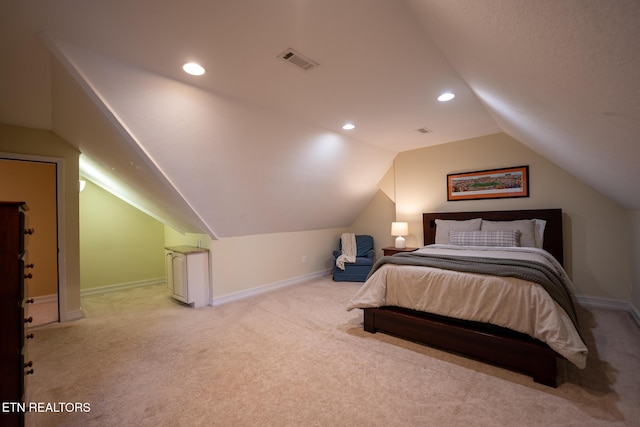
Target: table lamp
{"type": "Point", "coordinates": [400, 229]}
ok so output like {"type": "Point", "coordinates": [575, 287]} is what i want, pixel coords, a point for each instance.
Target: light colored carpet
{"type": "Point", "coordinates": [295, 357]}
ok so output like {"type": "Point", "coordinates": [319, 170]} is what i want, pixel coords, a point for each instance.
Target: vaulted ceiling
{"type": "Point", "coordinates": [255, 145]}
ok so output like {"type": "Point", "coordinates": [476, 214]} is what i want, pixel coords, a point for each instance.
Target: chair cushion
{"type": "Point", "coordinates": [351, 273]}
{"type": "Point", "coordinates": [360, 260]}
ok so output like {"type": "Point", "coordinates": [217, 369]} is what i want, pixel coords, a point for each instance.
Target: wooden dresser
{"type": "Point", "coordinates": [14, 362]}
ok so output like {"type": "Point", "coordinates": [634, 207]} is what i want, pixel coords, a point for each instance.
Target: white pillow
{"type": "Point", "coordinates": [540, 224]}
{"type": "Point", "coordinates": [504, 238]}
{"type": "Point", "coordinates": [526, 227]}
{"type": "Point", "coordinates": [444, 226]}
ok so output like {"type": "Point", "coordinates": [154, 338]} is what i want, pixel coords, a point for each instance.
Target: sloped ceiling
{"type": "Point", "coordinates": [255, 145]}
{"type": "Point", "coordinates": [558, 76]}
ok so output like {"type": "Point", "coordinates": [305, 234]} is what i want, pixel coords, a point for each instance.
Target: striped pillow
{"type": "Point", "coordinates": [505, 238]}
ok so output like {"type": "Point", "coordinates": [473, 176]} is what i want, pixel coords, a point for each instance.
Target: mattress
{"type": "Point", "coordinates": [509, 302]}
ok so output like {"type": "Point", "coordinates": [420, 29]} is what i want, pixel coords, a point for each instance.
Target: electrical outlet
{"type": "Point", "coordinates": [304, 258]}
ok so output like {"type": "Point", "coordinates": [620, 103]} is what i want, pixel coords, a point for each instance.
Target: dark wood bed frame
{"type": "Point", "coordinates": [488, 343]}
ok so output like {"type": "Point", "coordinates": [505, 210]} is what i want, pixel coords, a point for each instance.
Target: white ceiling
{"type": "Point", "coordinates": [255, 145]}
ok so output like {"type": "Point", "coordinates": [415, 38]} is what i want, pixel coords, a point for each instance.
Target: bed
{"type": "Point", "coordinates": [485, 340]}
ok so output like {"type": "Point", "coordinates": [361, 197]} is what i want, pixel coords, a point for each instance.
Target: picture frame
{"type": "Point", "coordinates": [489, 184]}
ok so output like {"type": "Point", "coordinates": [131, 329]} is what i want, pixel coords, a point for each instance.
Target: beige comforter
{"type": "Point", "coordinates": [504, 301]}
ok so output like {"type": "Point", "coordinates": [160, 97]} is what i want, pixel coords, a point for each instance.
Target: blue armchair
{"type": "Point", "coordinates": [357, 271]}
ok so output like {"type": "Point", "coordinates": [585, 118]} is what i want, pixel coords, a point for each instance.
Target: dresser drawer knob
{"type": "Point", "coordinates": [29, 301]}
{"type": "Point", "coordinates": [28, 364]}
{"type": "Point", "coordinates": [30, 265]}
{"type": "Point", "coordinates": [29, 336]}
{"type": "Point", "coordinates": [29, 372]}
{"type": "Point", "coordinates": [28, 320]}
{"type": "Point", "coordinates": [28, 276]}
{"type": "Point", "coordinates": [29, 231]}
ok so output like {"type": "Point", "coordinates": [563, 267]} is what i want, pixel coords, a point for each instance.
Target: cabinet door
{"type": "Point", "coordinates": [179, 277]}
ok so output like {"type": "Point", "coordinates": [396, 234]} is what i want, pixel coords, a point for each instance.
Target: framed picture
{"type": "Point", "coordinates": [489, 184]}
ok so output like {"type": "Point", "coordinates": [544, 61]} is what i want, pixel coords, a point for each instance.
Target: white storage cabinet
{"type": "Point", "coordinates": [188, 274]}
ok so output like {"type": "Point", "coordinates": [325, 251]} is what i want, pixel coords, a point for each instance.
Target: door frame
{"type": "Point", "coordinates": [60, 229]}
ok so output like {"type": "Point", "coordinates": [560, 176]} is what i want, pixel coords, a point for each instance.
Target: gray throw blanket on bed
{"type": "Point", "coordinates": [521, 269]}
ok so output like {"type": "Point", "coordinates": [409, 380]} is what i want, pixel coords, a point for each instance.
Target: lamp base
{"type": "Point", "coordinates": [400, 243]}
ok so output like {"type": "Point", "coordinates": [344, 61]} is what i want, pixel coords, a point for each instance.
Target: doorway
{"type": "Point", "coordinates": [35, 182]}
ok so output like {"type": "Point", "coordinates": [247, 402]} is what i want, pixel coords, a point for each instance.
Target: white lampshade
{"type": "Point", "coordinates": [399, 229]}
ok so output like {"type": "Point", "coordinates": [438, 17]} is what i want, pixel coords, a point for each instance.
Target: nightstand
{"type": "Point", "coordinates": [390, 250]}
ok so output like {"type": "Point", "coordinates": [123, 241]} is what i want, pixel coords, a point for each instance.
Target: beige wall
{"type": "Point", "coordinates": [248, 262]}
{"type": "Point", "coordinates": [597, 237]}
{"type": "Point", "coordinates": [35, 183]}
{"type": "Point", "coordinates": [119, 244]}
{"type": "Point", "coordinates": [376, 221]}
{"type": "Point", "coordinates": [34, 142]}
{"type": "Point", "coordinates": [598, 258]}
{"type": "Point", "coordinates": [597, 231]}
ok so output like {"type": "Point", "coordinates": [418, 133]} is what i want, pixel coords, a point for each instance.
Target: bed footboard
{"type": "Point", "coordinates": [487, 343]}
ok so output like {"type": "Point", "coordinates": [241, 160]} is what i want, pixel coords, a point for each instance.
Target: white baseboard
{"type": "Point", "coordinates": [63, 317]}
{"type": "Point", "coordinates": [121, 286]}
{"type": "Point", "coordinates": [610, 304]}
{"type": "Point", "coordinates": [606, 303]}
{"type": "Point", "coordinates": [71, 315]}
{"type": "Point", "coordinates": [45, 299]}
{"type": "Point", "coordinates": [267, 288]}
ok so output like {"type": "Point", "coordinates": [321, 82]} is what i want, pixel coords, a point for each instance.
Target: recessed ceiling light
{"type": "Point", "coordinates": [446, 96]}
{"type": "Point", "coordinates": [193, 69]}
{"type": "Point", "coordinates": [348, 126]}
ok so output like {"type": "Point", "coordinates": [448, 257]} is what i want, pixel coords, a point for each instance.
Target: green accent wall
{"type": "Point", "coordinates": [119, 244]}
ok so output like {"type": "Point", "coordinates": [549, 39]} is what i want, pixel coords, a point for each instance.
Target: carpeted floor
{"type": "Point", "coordinates": [295, 357]}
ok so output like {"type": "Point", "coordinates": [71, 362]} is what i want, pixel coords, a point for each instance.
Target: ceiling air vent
{"type": "Point", "coordinates": [425, 130]}
{"type": "Point", "coordinates": [296, 58]}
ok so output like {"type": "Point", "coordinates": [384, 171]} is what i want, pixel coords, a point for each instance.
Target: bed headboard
{"type": "Point", "coordinates": [552, 231]}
